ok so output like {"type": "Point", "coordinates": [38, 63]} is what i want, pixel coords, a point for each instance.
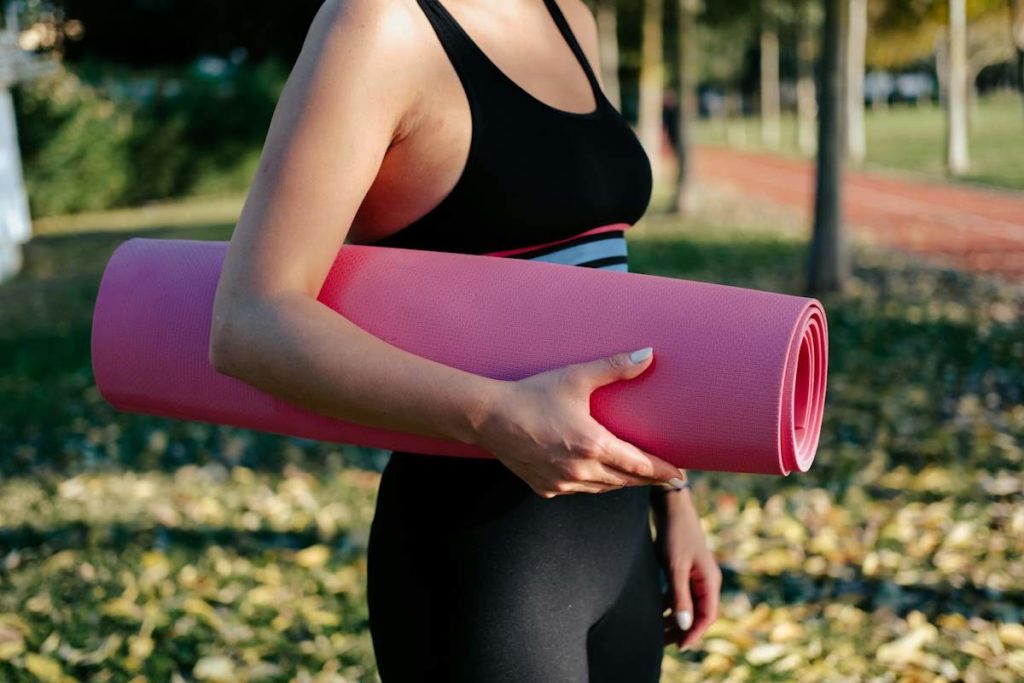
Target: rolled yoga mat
{"type": "Point", "coordinates": [737, 383]}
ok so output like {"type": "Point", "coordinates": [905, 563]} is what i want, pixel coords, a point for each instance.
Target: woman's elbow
{"type": "Point", "coordinates": [240, 329]}
{"type": "Point", "coordinates": [225, 343]}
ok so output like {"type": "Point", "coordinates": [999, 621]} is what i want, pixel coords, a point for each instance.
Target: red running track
{"type": "Point", "coordinates": [966, 227]}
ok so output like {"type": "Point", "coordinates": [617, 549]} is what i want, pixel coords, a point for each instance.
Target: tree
{"type": "Point", "coordinates": [856, 43]}
{"type": "Point", "coordinates": [957, 159]}
{"type": "Point", "coordinates": [607, 30]}
{"type": "Point", "coordinates": [806, 91]}
{"type": "Point", "coordinates": [828, 260]}
{"type": "Point", "coordinates": [986, 45]}
{"type": "Point", "coordinates": [687, 110]}
{"type": "Point", "coordinates": [1017, 32]}
{"type": "Point", "coordinates": [770, 90]}
{"type": "Point", "coordinates": [652, 69]}
{"type": "Point", "coordinates": [726, 30]}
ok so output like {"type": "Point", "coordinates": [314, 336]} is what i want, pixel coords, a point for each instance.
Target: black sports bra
{"type": "Point", "coordinates": [538, 180]}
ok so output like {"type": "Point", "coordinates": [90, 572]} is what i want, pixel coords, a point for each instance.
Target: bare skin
{"type": "Point", "coordinates": [695, 578]}
{"type": "Point", "coordinates": [371, 131]}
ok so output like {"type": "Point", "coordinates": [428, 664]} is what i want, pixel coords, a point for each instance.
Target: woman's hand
{"type": "Point", "coordinates": [540, 427]}
{"type": "Point", "coordinates": [694, 576]}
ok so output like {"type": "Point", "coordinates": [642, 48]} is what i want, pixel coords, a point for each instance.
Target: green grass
{"type": "Point", "coordinates": [135, 546]}
{"type": "Point", "coordinates": [912, 139]}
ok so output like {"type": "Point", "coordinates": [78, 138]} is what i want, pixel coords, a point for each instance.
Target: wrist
{"type": "Point", "coordinates": [678, 501]}
{"type": "Point", "coordinates": [666, 501]}
{"type": "Point", "coordinates": [674, 496]}
{"type": "Point", "coordinates": [485, 400]}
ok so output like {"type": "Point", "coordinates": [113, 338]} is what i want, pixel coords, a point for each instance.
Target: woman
{"type": "Point", "coordinates": [396, 127]}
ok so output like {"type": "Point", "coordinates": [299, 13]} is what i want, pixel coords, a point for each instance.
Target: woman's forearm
{"type": "Point", "coordinates": [298, 349]}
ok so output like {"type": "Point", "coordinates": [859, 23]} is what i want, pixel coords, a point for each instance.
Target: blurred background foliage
{"type": "Point", "coordinates": [100, 136]}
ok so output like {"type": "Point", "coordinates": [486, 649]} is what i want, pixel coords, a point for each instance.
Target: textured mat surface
{"type": "Point", "coordinates": [737, 382]}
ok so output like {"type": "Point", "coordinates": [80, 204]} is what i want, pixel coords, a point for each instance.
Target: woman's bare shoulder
{"type": "Point", "coordinates": [584, 26]}
{"type": "Point", "coordinates": [581, 20]}
{"type": "Point", "coordinates": [384, 29]}
{"type": "Point", "coordinates": [351, 93]}
{"type": "Point", "coordinates": [379, 43]}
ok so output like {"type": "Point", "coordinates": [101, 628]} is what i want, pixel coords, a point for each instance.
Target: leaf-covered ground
{"type": "Point", "coordinates": [134, 548]}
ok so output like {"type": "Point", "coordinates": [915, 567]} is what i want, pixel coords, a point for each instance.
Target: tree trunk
{"type": "Point", "coordinates": [1020, 71]}
{"type": "Point", "coordinates": [651, 86]}
{"type": "Point", "coordinates": [942, 65]}
{"type": "Point", "coordinates": [855, 46]}
{"type": "Point", "coordinates": [688, 105]}
{"type": "Point", "coordinates": [770, 105]}
{"type": "Point", "coordinates": [806, 105]}
{"type": "Point", "coordinates": [957, 159]}
{"type": "Point", "coordinates": [608, 38]}
{"type": "Point", "coordinates": [828, 260]}
{"type": "Point", "coordinates": [1017, 32]}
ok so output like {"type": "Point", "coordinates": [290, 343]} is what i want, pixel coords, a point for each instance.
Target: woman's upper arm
{"type": "Point", "coordinates": [344, 103]}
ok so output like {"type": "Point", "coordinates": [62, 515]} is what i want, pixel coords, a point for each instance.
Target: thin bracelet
{"type": "Point", "coordinates": [673, 489]}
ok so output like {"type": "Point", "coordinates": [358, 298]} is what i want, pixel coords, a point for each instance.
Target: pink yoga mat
{"type": "Point", "coordinates": [737, 382]}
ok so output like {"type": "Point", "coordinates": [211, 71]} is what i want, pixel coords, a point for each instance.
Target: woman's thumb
{"type": "Point", "coordinates": [625, 365]}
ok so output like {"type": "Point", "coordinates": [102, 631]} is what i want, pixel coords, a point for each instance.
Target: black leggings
{"type": "Point", "coordinates": [472, 577]}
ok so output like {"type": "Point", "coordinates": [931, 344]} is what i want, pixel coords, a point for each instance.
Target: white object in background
{"type": "Point", "coordinates": [15, 222]}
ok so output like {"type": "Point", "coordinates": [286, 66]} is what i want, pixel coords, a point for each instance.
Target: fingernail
{"type": "Point", "coordinates": [677, 483]}
{"type": "Point", "coordinates": [684, 619]}
{"type": "Point", "coordinates": [640, 355]}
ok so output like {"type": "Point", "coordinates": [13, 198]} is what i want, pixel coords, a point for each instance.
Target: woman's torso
{"type": "Point", "coordinates": [528, 173]}
{"type": "Point", "coordinates": [538, 182]}
{"type": "Point", "coordinates": [471, 575]}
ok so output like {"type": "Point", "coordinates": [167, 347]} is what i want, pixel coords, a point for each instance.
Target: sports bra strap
{"type": "Point", "coordinates": [466, 55]}
{"type": "Point", "coordinates": [570, 38]}
{"type": "Point", "coordinates": [463, 53]}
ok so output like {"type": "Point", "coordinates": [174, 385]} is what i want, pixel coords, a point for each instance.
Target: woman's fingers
{"type": "Point", "coordinates": [706, 584]}
{"type": "Point", "coordinates": [600, 473]}
{"type": "Point", "coordinates": [587, 474]}
{"type": "Point", "coordinates": [677, 606]}
{"type": "Point", "coordinates": [592, 476]}
{"type": "Point", "coordinates": [698, 595]}
{"type": "Point", "coordinates": [565, 488]}
{"type": "Point", "coordinates": [590, 375]}
{"type": "Point", "coordinates": [682, 604]}
{"type": "Point", "coordinates": [625, 457]}
{"type": "Point", "coordinates": [608, 464]}
{"type": "Point", "coordinates": [602, 480]}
